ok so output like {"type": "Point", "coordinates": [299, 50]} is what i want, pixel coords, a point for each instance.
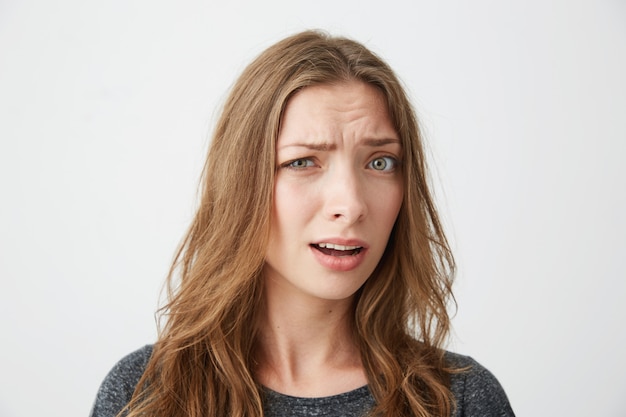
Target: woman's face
{"type": "Point", "coordinates": [337, 193]}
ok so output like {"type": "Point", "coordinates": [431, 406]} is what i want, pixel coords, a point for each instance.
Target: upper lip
{"type": "Point", "coordinates": [351, 243]}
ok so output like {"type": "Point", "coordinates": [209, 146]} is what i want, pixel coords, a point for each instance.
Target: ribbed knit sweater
{"type": "Point", "coordinates": [477, 392]}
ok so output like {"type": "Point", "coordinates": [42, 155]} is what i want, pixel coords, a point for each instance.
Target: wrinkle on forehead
{"type": "Point", "coordinates": [322, 115]}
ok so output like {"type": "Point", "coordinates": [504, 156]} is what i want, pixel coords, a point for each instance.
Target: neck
{"type": "Point", "coordinates": [305, 346]}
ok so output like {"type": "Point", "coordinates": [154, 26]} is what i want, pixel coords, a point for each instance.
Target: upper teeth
{"type": "Point", "coordinates": [337, 247]}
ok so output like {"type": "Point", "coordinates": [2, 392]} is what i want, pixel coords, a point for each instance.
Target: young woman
{"type": "Point", "coordinates": [315, 277]}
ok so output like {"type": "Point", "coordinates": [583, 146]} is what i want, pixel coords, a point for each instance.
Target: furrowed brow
{"type": "Point", "coordinates": [323, 147]}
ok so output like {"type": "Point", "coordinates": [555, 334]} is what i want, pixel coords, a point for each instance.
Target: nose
{"type": "Point", "coordinates": [345, 197]}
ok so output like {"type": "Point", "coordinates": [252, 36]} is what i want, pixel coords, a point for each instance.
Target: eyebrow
{"type": "Point", "coordinates": [381, 142]}
{"type": "Point", "coordinates": [331, 146]}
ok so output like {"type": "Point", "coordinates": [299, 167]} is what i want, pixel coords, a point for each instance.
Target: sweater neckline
{"type": "Point", "coordinates": [354, 394]}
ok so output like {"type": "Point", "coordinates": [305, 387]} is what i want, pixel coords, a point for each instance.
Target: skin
{"type": "Point", "coordinates": [338, 182]}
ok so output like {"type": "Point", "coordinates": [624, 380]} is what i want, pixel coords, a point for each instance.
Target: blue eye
{"type": "Point", "coordinates": [300, 163]}
{"type": "Point", "coordinates": [383, 163]}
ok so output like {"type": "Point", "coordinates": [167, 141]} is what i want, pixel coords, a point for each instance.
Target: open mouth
{"type": "Point", "coordinates": [337, 250]}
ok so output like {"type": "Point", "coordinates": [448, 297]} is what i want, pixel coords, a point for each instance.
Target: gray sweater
{"type": "Point", "coordinates": [477, 392]}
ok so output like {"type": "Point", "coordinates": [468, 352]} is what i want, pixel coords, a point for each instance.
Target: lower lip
{"type": "Point", "coordinates": [339, 263]}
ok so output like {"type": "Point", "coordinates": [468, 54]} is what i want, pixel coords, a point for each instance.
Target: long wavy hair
{"type": "Point", "coordinates": [202, 363]}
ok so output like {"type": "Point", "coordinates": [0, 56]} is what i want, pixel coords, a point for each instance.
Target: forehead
{"type": "Point", "coordinates": [350, 108]}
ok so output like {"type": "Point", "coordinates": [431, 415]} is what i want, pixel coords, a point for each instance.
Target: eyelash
{"type": "Point", "coordinates": [309, 163]}
{"type": "Point", "coordinates": [290, 164]}
{"type": "Point", "coordinates": [390, 160]}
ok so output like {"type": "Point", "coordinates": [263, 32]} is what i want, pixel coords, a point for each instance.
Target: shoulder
{"type": "Point", "coordinates": [476, 390]}
{"type": "Point", "coordinates": [118, 386]}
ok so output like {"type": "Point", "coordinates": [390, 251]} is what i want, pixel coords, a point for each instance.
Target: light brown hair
{"type": "Point", "coordinates": [202, 363]}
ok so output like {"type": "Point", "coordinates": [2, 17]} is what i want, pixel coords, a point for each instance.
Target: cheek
{"type": "Point", "coordinates": [387, 204]}
{"type": "Point", "coordinates": [398, 199]}
{"type": "Point", "coordinates": [290, 207]}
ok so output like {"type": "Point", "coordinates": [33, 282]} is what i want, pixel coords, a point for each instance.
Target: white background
{"type": "Point", "coordinates": [105, 111]}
